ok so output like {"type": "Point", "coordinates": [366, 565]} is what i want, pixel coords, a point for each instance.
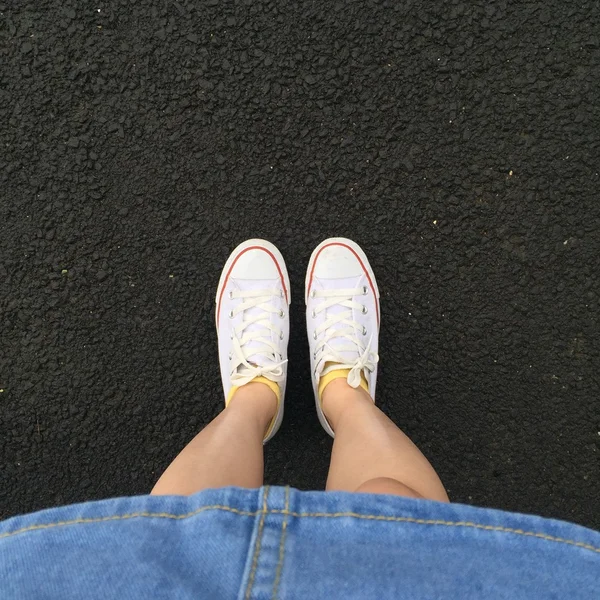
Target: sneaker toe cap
{"type": "Point", "coordinates": [255, 263]}
{"type": "Point", "coordinates": [337, 262]}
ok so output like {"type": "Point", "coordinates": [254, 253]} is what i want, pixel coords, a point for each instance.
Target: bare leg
{"type": "Point", "coordinates": [370, 454]}
{"type": "Point", "coordinates": [228, 451]}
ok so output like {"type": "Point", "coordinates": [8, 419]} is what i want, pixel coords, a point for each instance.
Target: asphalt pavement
{"type": "Point", "coordinates": [457, 142]}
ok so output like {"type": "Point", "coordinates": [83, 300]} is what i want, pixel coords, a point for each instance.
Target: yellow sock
{"type": "Point", "coordinates": [271, 385]}
{"type": "Point", "coordinates": [338, 374]}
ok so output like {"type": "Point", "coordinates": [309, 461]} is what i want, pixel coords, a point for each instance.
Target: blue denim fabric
{"type": "Point", "coordinates": [281, 543]}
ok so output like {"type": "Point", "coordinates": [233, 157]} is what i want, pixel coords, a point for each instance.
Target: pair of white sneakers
{"type": "Point", "coordinates": [342, 318]}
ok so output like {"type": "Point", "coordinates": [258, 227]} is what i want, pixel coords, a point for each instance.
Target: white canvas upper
{"type": "Point", "coordinates": [342, 315]}
{"type": "Point", "coordinates": [252, 318]}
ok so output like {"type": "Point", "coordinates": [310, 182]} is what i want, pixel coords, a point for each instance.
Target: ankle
{"type": "Point", "coordinates": [256, 401]}
{"type": "Point", "coordinates": [340, 398]}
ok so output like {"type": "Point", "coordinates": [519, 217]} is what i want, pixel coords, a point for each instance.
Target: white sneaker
{"type": "Point", "coordinates": [342, 316]}
{"type": "Point", "coordinates": [252, 319]}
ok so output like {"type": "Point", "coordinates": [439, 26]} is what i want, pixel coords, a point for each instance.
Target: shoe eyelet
{"type": "Point", "coordinates": [281, 335]}
{"type": "Point", "coordinates": [314, 356]}
{"type": "Point", "coordinates": [365, 310]}
{"type": "Point", "coordinates": [231, 314]}
{"type": "Point", "coordinates": [281, 293]}
{"type": "Point", "coordinates": [315, 335]}
{"type": "Point", "coordinates": [365, 290]}
{"type": "Point", "coordinates": [231, 336]}
{"type": "Point", "coordinates": [313, 293]}
{"type": "Point", "coordinates": [231, 294]}
{"type": "Point", "coordinates": [364, 331]}
{"type": "Point", "coordinates": [281, 314]}
{"type": "Point", "coordinates": [314, 314]}
{"type": "Point", "coordinates": [230, 356]}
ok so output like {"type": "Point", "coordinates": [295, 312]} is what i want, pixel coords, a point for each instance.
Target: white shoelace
{"type": "Point", "coordinates": [252, 339]}
{"type": "Point", "coordinates": [342, 327]}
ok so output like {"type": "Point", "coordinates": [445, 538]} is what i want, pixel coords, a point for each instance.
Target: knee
{"type": "Point", "coordinates": [385, 485]}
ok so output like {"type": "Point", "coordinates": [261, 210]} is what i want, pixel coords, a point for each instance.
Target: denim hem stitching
{"type": "Point", "coordinates": [263, 512]}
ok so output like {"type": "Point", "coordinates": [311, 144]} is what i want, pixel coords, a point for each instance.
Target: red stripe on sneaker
{"type": "Point", "coordinates": [233, 265]}
{"type": "Point", "coordinates": [361, 264]}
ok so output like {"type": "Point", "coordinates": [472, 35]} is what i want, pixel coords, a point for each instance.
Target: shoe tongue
{"type": "Point", "coordinates": [260, 359]}
{"type": "Point", "coordinates": [349, 356]}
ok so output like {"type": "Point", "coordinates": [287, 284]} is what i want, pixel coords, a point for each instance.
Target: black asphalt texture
{"type": "Point", "coordinates": [457, 142]}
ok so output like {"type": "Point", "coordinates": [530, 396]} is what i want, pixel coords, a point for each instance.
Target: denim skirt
{"type": "Point", "coordinates": [278, 542]}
